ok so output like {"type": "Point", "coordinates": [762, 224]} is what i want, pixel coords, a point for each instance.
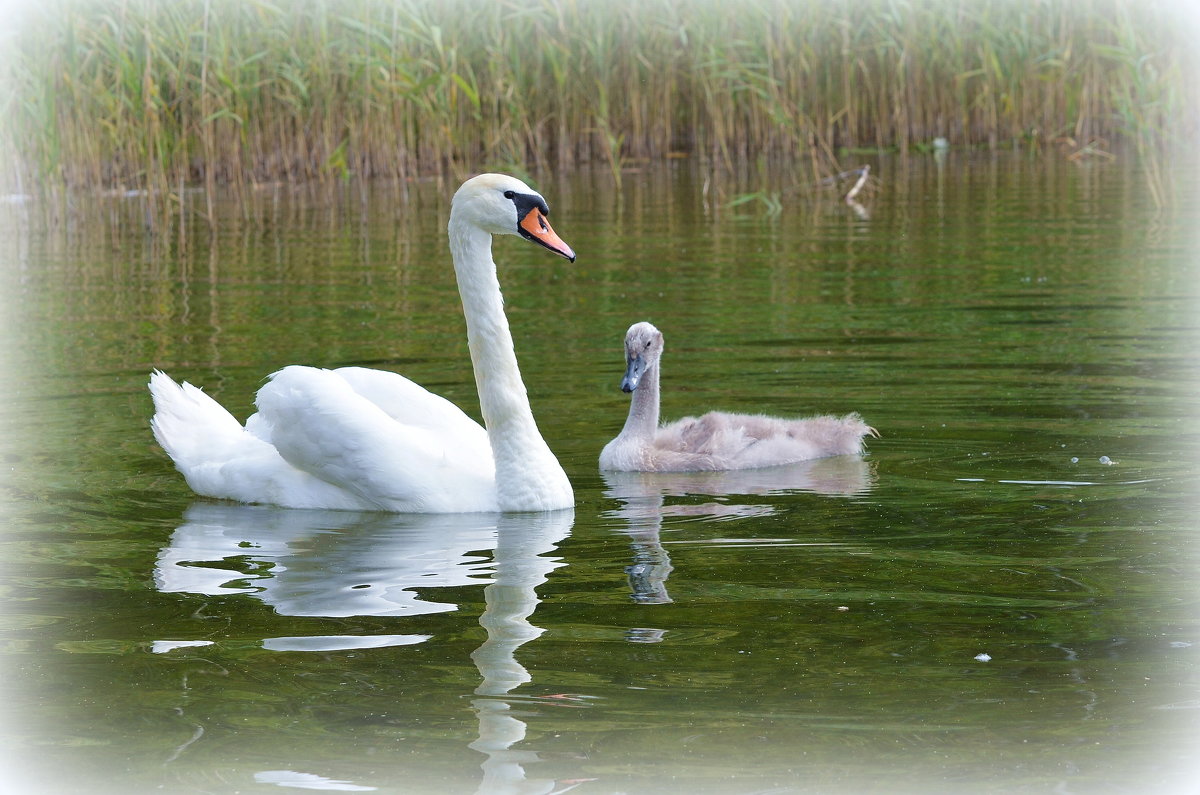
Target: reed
{"type": "Point", "coordinates": [153, 95]}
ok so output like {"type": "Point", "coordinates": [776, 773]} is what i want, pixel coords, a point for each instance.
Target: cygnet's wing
{"type": "Point", "coordinates": [751, 441]}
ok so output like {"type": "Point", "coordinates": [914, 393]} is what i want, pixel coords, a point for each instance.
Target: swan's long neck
{"type": "Point", "coordinates": [642, 421]}
{"type": "Point", "coordinates": [526, 470]}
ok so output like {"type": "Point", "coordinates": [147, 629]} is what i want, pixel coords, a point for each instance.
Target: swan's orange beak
{"type": "Point", "coordinates": [535, 227]}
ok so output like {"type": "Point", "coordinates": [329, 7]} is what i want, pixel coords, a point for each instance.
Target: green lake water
{"type": "Point", "coordinates": [1000, 596]}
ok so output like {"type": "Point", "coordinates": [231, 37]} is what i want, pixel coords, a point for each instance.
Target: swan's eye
{"type": "Point", "coordinates": [508, 194]}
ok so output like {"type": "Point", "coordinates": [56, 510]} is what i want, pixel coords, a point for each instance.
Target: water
{"type": "Point", "coordinates": [999, 597]}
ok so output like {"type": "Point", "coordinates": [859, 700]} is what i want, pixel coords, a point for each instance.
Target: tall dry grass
{"type": "Point", "coordinates": [154, 95]}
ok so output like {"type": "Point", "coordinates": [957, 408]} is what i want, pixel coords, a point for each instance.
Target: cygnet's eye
{"type": "Point", "coordinates": [508, 194]}
{"type": "Point", "coordinates": [648, 343]}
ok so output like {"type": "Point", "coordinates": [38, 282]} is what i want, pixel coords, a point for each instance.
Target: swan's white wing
{"type": "Point", "coordinates": [394, 444]}
{"type": "Point", "coordinates": [219, 458]}
{"type": "Point", "coordinates": [409, 403]}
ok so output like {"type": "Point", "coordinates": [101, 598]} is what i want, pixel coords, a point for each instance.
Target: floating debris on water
{"type": "Point", "coordinates": [164, 646]}
{"type": "Point", "coordinates": [1106, 461]}
{"type": "Point", "coordinates": [983, 657]}
{"type": "Point", "coordinates": [1074, 459]}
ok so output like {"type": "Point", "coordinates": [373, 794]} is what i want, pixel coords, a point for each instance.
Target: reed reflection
{"type": "Point", "coordinates": [644, 497]}
{"type": "Point", "coordinates": [337, 563]}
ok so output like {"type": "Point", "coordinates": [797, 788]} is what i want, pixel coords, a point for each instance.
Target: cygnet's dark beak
{"type": "Point", "coordinates": [633, 372]}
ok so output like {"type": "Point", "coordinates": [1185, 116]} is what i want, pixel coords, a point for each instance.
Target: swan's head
{"type": "Point", "coordinates": [504, 205]}
{"type": "Point", "coordinates": [643, 346]}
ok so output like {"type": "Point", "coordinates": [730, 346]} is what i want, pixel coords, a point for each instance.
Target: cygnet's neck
{"type": "Point", "coordinates": [523, 460]}
{"type": "Point", "coordinates": [642, 421]}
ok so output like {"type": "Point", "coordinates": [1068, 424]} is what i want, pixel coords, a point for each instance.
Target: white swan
{"type": "Point", "coordinates": [717, 440]}
{"type": "Point", "coordinates": [359, 439]}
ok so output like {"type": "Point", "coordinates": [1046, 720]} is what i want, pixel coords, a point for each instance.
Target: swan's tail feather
{"type": "Point", "coordinates": [193, 428]}
{"type": "Point", "coordinates": [827, 434]}
{"type": "Point", "coordinates": [840, 435]}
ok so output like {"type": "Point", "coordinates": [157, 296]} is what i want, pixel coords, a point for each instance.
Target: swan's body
{"type": "Point", "coordinates": [716, 440]}
{"type": "Point", "coordinates": [359, 439]}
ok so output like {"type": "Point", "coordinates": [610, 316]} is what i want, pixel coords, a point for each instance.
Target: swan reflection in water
{"type": "Point", "coordinates": [338, 563]}
{"type": "Point", "coordinates": [644, 505]}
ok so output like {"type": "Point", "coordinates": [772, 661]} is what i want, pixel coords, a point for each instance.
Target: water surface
{"type": "Point", "coordinates": [999, 597]}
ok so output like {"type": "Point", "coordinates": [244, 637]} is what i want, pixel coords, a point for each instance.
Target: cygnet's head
{"type": "Point", "coordinates": [643, 347]}
{"type": "Point", "coordinates": [504, 205]}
